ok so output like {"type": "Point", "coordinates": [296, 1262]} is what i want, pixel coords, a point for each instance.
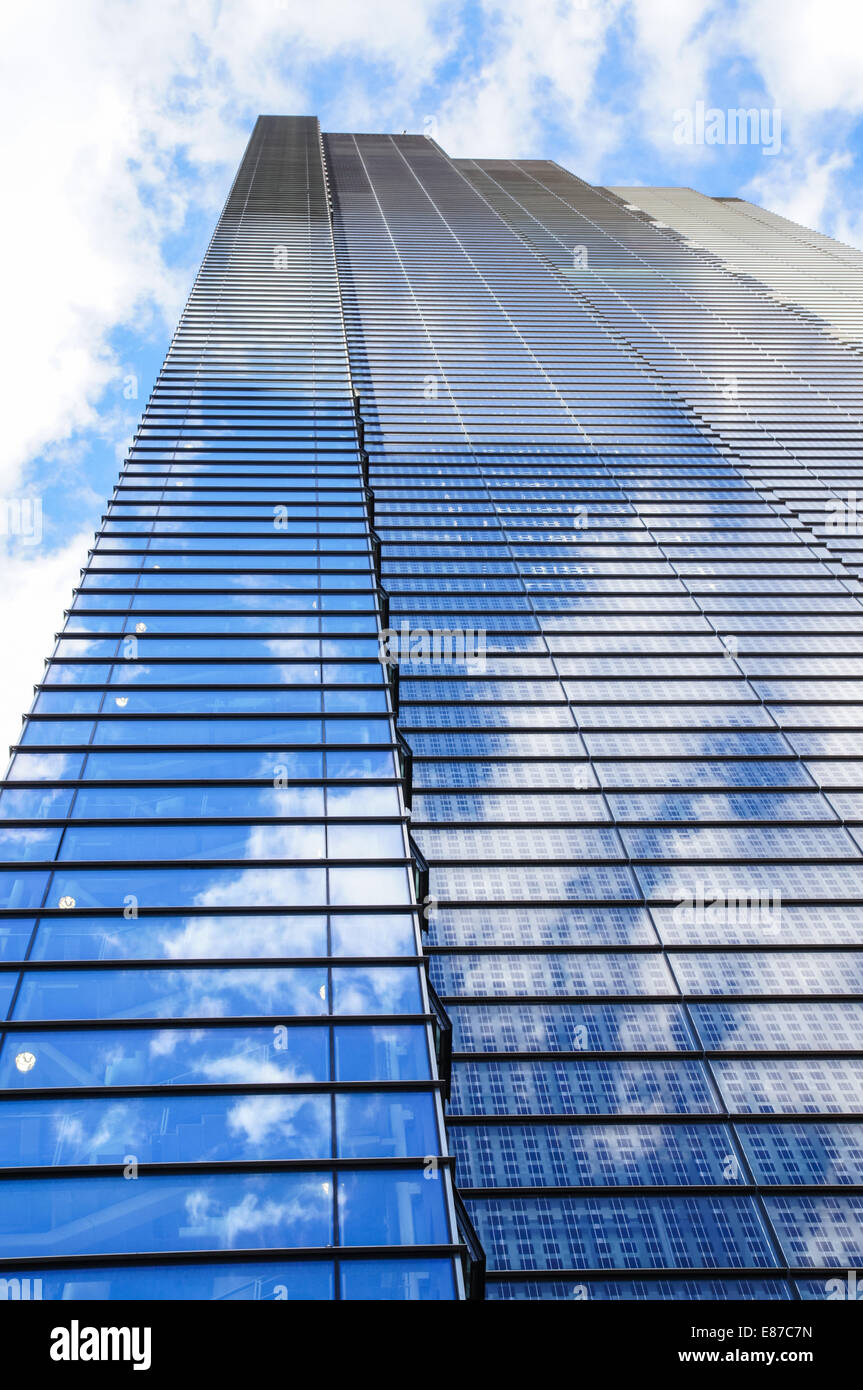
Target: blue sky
{"type": "Point", "coordinates": [124, 123]}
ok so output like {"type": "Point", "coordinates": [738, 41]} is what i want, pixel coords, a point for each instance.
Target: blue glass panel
{"type": "Point", "coordinates": [35, 803]}
{"type": "Point", "coordinates": [131, 887]}
{"type": "Point", "coordinates": [8, 983]}
{"type": "Point", "coordinates": [506, 1026]}
{"type": "Point", "coordinates": [357, 730]}
{"type": "Point", "coordinates": [171, 993]}
{"type": "Point", "coordinates": [391, 1125]}
{"type": "Point", "coordinates": [581, 1088]}
{"type": "Point", "coordinates": [45, 767]}
{"type": "Point", "coordinates": [170, 1129]}
{"type": "Point", "coordinates": [95, 1215]}
{"type": "Point", "coordinates": [392, 1208]}
{"type": "Point", "coordinates": [561, 973]}
{"type": "Point", "coordinates": [21, 845]}
{"type": "Point", "coordinates": [69, 701]}
{"type": "Point", "coordinates": [622, 1232]}
{"type": "Point", "coordinates": [56, 732]}
{"type": "Point", "coordinates": [209, 731]}
{"type": "Point", "coordinates": [15, 932]}
{"type": "Point", "coordinates": [801, 1026]}
{"type": "Point", "coordinates": [819, 1230]}
{"type": "Point", "coordinates": [176, 938]}
{"type": "Point", "coordinates": [809, 1087]}
{"type": "Point", "coordinates": [155, 842]}
{"type": "Point", "coordinates": [394, 1280]}
{"type": "Point", "coordinates": [178, 803]}
{"type": "Point", "coordinates": [383, 1052]}
{"type": "Point", "coordinates": [21, 892]}
{"type": "Point", "coordinates": [379, 990]}
{"type": "Point", "coordinates": [368, 887]}
{"type": "Point", "coordinates": [804, 1153]}
{"type": "Point", "coordinates": [204, 702]}
{"type": "Point", "coordinates": [252, 1280]}
{"type": "Point", "coordinates": [683, 1290]}
{"type": "Point", "coordinates": [594, 1155]}
{"type": "Point", "coordinates": [364, 935]}
{"type": "Point", "coordinates": [360, 765]}
{"type": "Point", "coordinates": [156, 766]}
{"type": "Point", "coordinates": [842, 1288]}
{"type": "Point", "coordinates": [153, 1056]}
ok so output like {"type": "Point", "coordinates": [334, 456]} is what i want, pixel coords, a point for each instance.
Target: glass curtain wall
{"type": "Point", "coordinates": [634, 765]}
{"type": "Point", "coordinates": [480, 597]}
{"type": "Point", "coordinates": [218, 1065]}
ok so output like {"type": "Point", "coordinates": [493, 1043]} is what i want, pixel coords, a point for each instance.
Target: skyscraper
{"type": "Point", "coordinates": [479, 598]}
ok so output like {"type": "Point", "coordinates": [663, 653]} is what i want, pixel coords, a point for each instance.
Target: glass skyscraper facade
{"type": "Point", "coordinates": [436, 839]}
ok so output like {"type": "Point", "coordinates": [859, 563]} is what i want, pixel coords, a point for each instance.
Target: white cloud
{"type": "Point", "coordinates": [804, 60]}
{"type": "Point", "coordinates": [674, 41]}
{"type": "Point", "coordinates": [804, 190]}
{"type": "Point", "coordinates": [36, 588]}
{"type": "Point", "coordinates": [811, 59]}
{"type": "Point", "coordinates": [99, 99]}
{"type": "Point", "coordinates": [810, 55]}
{"type": "Point", "coordinates": [540, 63]}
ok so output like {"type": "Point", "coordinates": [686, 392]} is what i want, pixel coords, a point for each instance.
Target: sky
{"type": "Point", "coordinates": [124, 123]}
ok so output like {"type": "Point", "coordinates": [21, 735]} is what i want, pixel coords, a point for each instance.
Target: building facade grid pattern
{"type": "Point", "coordinates": [477, 620]}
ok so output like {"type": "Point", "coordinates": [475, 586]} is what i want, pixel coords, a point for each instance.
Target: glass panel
{"type": "Point", "coordinates": [77, 1216]}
